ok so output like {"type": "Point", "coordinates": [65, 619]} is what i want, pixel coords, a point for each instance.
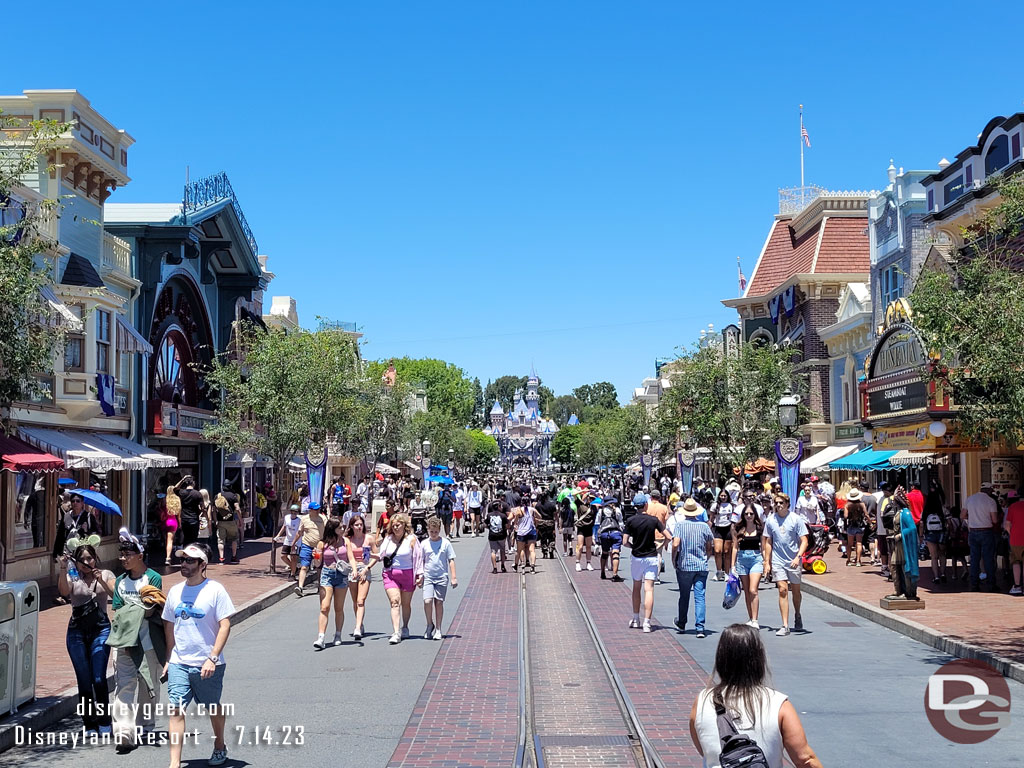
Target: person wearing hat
{"type": "Point", "coordinates": [141, 657]}
{"type": "Point", "coordinates": [287, 535]}
{"type": "Point", "coordinates": [609, 535]}
{"type": "Point", "coordinates": [692, 545]}
{"type": "Point", "coordinates": [984, 519]}
{"type": "Point", "coordinates": [475, 501]}
{"type": "Point", "coordinates": [855, 513]}
{"type": "Point", "coordinates": [197, 621]}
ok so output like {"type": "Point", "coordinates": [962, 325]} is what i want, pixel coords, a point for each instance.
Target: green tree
{"type": "Point", "coordinates": [729, 405]}
{"type": "Point", "coordinates": [482, 450]}
{"type": "Point", "coordinates": [600, 395]}
{"type": "Point", "coordinates": [282, 393]}
{"type": "Point", "coordinates": [970, 314]}
{"type": "Point", "coordinates": [565, 446]}
{"type": "Point", "coordinates": [564, 406]}
{"type": "Point", "coordinates": [31, 333]}
{"type": "Point", "coordinates": [547, 399]}
{"type": "Point", "coordinates": [503, 390]}
{"type": "Point", "coordinates": [448, 389]}
{"type": "Point", "coordinates": [480, 407]}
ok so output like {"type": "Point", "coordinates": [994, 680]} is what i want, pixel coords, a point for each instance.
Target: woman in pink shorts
{"type": "Point", "coordinates": [402, 557]}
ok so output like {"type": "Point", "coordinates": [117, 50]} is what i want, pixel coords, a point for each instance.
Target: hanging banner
{"type": "Point", "coordinates": [773, 308]}
{"type": "Point", "coordinates": [646, 467]}
{"type": "Point", "coordinates": [788, 452]}
{"type": "Point", "coordinates": [789, 300]}
{"type": "Point", "coordinates": [686, 459]}
{"type": "Point", "coordinates": [316, 471]}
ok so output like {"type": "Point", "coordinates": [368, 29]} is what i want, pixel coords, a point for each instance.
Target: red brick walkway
{"type": "Point", "coordinates": [993, 621]}
{"type": "Point", "coordinates": [575, 713]}
{"type": "Point", "coordinates": [661, 678]}
{"type": "Point", "coordinates": [468, 711]}
{"type": "Point", "coordinates": [244, 581]}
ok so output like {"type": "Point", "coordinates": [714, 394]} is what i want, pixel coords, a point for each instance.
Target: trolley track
{"type": "Point", "coordinates": [591, 716]}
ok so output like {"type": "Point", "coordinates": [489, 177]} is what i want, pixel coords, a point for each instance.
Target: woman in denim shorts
{"type": "Point", "coordinates": [333, 581]}
{"type": "Point", "coordinates": [747, 560]}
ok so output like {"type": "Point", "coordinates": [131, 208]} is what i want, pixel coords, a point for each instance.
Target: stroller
{"type": "Point", "coordinates": [813, 559]}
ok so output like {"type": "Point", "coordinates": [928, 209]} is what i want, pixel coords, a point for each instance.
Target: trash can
{"type": "Point", "coordinates": [26, 630]}
{"type": "Point", "coordinates": [8, 643]}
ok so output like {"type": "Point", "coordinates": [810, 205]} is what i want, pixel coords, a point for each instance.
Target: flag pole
{"type": "Point", "coordinates": [801, 148]}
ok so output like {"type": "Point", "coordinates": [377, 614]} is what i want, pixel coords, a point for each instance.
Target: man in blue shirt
{"type": "Point", "coordinates": [785, 541]}
{"type": "Point", "coordinates": [692, 543]}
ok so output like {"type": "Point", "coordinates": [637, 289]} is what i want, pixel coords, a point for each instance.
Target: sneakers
{"type": "Point", "coordinates": [395, 639]}
{"type": "Point", "coordinates": [647, 626]}
{"type": "Point", "coordinates": [405, 633]}
{"type": "Point", "coordinates": [358, 634]}
{"type": "Point", "coordinates": [219, 757]}
{"type": "Point", "coordinates": [437, 634]}
{"type": "Point", "coordinates": [579, 567]}
{"type": "Point", "coordinates": [429, 634]}
{"type": "Point", "coordinates": [634, 624]}
{"type": "Point", "coordinates": [603, 576]}
{"type": "Point", "coordinates": [503, 568]}
{"type": "Point", "coordinates": [753, 623]}
{"type": "Point", "coordinates": [680, 627]}
{"type": "Point", "coordinates": [783, 631]}
{"type": "Point", "coordinates": [494, 570]}
{"type": "Point", "coordinates": [297, 590]}
{"type": "Point", "coordinates": [319, 642]}
{"type": "Point", "coordinates": [616, 577]}
{"type": "Point", "coordinates": [798, 624]}
{"type": "Point", "coordinates": [590, 566]}
{"type": "Point", "coordinates": [337, 638]}
{"type": "Point", "coordinates": [701, 634]}
{"type": "Point", "coordinates": [1015, 590]}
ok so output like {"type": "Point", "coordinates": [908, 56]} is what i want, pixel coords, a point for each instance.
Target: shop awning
{"type": "Point", "coordinates": [760, 464]}
{"type": "Point", "coordinates": [82, 450]}
{"type": "Point", "coordinates": [413, 466]}
{"type": "Point", "coordinates": [129, 339]}
{"type": "Point", "coordinates": [825, 457]}
{"type": "Point", "coordinates": [67, 317]}
{"type": "Point", "coordinates": [917, 459]}
{"type": "Point", "coordinates": [22, 457]}
{"type": "Point", "coordinates": [864, 461]}
{"type": "Point", "coordinates": [386, 469]}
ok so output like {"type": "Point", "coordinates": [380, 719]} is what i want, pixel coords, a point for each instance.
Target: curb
{"type": "Point", "coordinates": [42, 713]}
{"type": "Point", "coordinates": [915, 631]}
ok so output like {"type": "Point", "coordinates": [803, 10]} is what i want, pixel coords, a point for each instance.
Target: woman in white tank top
{"type": "Point", "coordinates": [759, 712]}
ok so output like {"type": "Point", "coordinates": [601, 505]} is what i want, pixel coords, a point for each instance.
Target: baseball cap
{"type": "Point", "coordinates": [192, 550]}
{"type": "Point", "coordinates": [294, 508]}
{"type": "Point", "coordinates": [986, 486]}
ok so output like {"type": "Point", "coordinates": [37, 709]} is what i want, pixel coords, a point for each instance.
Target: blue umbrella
{"type": "Point", "coordinates": [440, 479]}
{"type": "Point", "coordinates": [98, 500]}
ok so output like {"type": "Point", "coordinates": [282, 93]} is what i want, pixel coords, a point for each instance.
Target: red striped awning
{"type": "Point", "coordinates": [21, 457]}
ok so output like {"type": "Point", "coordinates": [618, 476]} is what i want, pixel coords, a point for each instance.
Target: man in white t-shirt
{"type": "Point", "coordinates": [807, 506]}
{"type": "Point", "coordinates": [197, 622]}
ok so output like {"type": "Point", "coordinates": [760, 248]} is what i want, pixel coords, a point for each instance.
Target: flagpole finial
{"type": "Point", "coordinates": [801, 106]}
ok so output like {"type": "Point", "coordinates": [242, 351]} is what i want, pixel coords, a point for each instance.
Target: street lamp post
{"type": "Point", "coordinates": [645, 458]}
{"type": "Point", "coordinates": [789, 449]}
{"type": "Point", "coordinates": [788, 411]}
{"type": "Point", "coordinates": [425, 461]}
{"type": "Point", "coordinates": [451, 463]}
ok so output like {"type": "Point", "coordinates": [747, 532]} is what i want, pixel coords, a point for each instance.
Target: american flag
{"type": "Point", "coordinates": [804, 136]}
{"type": "Point", "coordinates": [743, 280]}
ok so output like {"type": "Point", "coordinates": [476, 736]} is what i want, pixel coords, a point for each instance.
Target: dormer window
{"type": "Point", "coordinates": [998, 156]}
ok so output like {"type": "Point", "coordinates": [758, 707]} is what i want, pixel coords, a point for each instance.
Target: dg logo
{"type": "Point", "coordinates": [967, 701]}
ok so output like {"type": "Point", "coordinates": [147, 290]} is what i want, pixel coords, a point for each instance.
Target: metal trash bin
{"type": "Point", "coordinates": [26, 631]}
{"type": "Point", "coordinates": [8, 645]}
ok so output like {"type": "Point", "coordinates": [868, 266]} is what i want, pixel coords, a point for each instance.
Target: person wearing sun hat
{"type": "Point", "coordinates": [197, 622]}
{"type": "Point", "coordinates": [692, 544]}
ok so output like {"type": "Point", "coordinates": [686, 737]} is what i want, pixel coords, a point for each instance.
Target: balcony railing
{"type": "Point", "coordinates": [117, 254]}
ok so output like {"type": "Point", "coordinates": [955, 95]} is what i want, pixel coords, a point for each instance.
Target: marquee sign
{"type": "Point", "coordinates": [896, 386]}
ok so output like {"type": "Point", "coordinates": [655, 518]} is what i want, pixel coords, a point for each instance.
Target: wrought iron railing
{"type": "Point", "coordinates": [212, 189]}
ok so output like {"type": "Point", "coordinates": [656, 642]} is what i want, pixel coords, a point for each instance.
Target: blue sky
{"type": "Point", "coordinates": [559, 184]}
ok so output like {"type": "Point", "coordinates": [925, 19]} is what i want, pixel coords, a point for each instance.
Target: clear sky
{"type": "Point", "coordinates": [499, 184]}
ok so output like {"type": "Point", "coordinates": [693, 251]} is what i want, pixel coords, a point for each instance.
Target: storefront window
{"type": "Point", "coordinates": [26, 496]}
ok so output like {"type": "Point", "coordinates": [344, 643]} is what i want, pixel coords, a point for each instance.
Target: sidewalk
{"type": "Point", "coordinates": [251, 588]}
{"type": "Point", "coordinates": [980, 625]}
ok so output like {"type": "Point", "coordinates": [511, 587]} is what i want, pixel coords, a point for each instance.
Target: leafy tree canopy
{"type": "Point", "coordinates": [599, 395]}
{"type": "Point", "coordinates": [448, 389]}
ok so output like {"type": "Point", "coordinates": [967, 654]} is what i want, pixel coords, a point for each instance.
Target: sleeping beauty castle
{"type": "Point", "coordinates": [524, 436]}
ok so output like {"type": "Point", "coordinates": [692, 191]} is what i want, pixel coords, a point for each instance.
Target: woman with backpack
{"type": "Point", "coordinates": [933, 521]}
{"type": "Point", "coordinates": [738, 719]}
{"type": "Point", "coordinates": [855, 513]}
{"type": "Point", "coordinates": [226, 505]}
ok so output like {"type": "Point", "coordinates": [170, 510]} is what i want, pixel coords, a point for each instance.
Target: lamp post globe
{"type": "Point", "coordinates": [788, 406]}
{"type": "Point", "coordinates": [426, 449]}
{"type": "Point", "coordinates": [645, 441]}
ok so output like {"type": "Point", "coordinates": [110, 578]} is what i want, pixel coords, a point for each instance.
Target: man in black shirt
{"type": "Point", "coordinates": [546, 512]}
{"type": "Point", "coordinates": [190, 501]}
{"type": "Point", "coordinates": [644, 533]}
{"type": "Point", "coordinates": [497, 531]}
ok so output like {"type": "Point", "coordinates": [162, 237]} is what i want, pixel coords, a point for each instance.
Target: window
{"type": "Point", "coordinates": [931, 200]}
{"type": "Point", "coordinates": [998, 156]}
{"type": "Point", "coordinates": [953, 190]}
{"type": "Point", "coordinates": [102, 341]}
{"type": "Point", "coordinates": [1016, 146]}
{"type": "Point", "coordinates": [968, 174]}
{"type": "Point", "coordinates": [74, 352]}
{"type": "Point", "coordinates": [891, 287]}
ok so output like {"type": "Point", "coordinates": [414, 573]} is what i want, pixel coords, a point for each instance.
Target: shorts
{"type": "Point", "coordinates": [566, 529]}
{"type": "Point", "coordinates": [611, 542]}
{"type": "Point", "coordinates": [644, 568]}
{"type": "Point", "coordinates": [936, 537]}
{"type": "Point", "coordinates": [333, 577]}
{"type": "Point", "coordinates": [227, 532]}
{"type": "Point", "coordinates": [883, 545]}
{"type": "Point", "coordinates": [525, 537]}
{"type": "Point", "coordinates": [289, 549]}
{"type": "Point", "coordinates": [305, 555]}
{"type": "Point", "coordinates": [1016, 554]}
{"type": "Point", "coordinates": [749, 561]}
{"type": "Point", "coordinates": [474, 511]}
{"type": "Point", "coordinates": [586, 531]}
{"type": "Point", "coordinates": [497, 546]}
{"type": "Point", "coordinates": [396, 578]}
{"type": "Point", "coordinates": [722, 532]}
{"type": "Point", "coordinates": [856, 531]}
{"type": "Point", "coordinates": [171, 524]}
{"type": "Point", "coordinates": [457, 514]}
{"type": "Point", "coordinates": [445, 516]}
{"type": "Point", "coordinates": [435, 590]}
{"type": "Point", "coordinates": [185, 685]}
{"type": "Point", "coordinates": [785, 573]}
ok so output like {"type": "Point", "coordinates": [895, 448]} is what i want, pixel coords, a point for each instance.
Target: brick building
{"type": "Point", "coordinates": [812, 252]}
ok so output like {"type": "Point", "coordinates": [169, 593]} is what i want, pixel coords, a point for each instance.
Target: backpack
{"type": "Point", "coordinates": [224, 512]}
{"type": "Point", "coordinates": [738, 751]}
{"type": "Point", "coordinates": [933, 523]}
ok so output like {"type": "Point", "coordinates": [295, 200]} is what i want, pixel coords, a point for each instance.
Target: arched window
{"type": "Point", "coordinates": [172, 377]}
{"type": "Point", "coordinates": [998, 156]}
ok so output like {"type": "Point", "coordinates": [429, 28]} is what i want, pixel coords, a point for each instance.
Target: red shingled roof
{"type": "Point", "coordinates": [844, 248]}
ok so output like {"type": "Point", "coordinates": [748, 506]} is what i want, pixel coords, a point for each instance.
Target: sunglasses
{"type": "Point", "coordinates": [190, 560]}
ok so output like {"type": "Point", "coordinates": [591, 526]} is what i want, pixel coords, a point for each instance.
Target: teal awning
{"type": "Point", "coordinates": [864, 461]}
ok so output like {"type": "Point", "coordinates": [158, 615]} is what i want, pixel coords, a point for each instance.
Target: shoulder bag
{"type": "Point", "coordinates": [738, 751]}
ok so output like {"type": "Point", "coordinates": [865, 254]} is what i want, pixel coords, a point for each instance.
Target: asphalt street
{"type": "Point", "coordinates": [351, 702]}
{"type": "Point", "coordinates": [859, 688]}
